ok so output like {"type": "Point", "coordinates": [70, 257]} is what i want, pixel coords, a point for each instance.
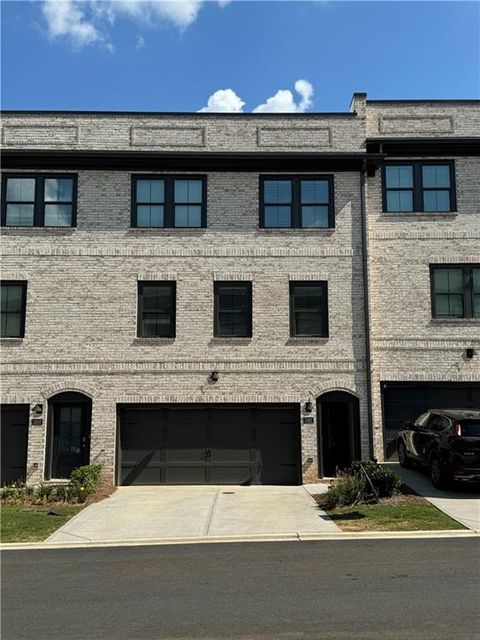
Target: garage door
{"type": "Point", "coordinates": [213, 444]}
{"type": "Point", "coordinates": [14, 438]}
{"type": "Point", "coordinates": [404, 402]}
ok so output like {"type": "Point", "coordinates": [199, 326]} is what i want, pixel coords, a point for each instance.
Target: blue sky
{"type": "Point", "coordinates": [155, 56]}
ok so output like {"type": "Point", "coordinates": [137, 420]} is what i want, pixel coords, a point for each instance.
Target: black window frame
{"type": "Point", "coordinates": [141, 285]}
{"type": "Point", "coordinates": [23, 284]}
{"type": "Point", "coordinates": [417, 188]}
{"type": "Point", "coordinates": [468, 293]}
{"type": "Point", "coordinates": [324, 312]}
{"type": "Point", "coordinates": [39, 199]}
{"type": "Point", "coordinates": [247, 284]}
{"type": "Point", "coordinates": [169, 199]}
{"type": "Point", "coordinates": [296, 204]}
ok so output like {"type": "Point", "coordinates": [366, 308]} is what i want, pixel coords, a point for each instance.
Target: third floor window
{"type": "Point", "coordinates": [39, 200]}
{"type": "Point", "coordinates": [419, 186]}
{"type": "Point", "coordinates": [300, 202]}
{"type": "Point", "coordinates": [169, 201]}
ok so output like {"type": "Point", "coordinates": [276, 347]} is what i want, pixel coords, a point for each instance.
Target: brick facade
{"type": "Point", "coordinates": [82, 282]}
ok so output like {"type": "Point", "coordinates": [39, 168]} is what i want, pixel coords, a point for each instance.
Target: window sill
{"type": "Point", "coordinates": [306, 340]}
{"type": "Point", "coordinates": [419, 214]}
{"type": "Point", "coordinates": [153, 341]}
{"type": "Point", "coordinates": [11, 340]}
{"type": "Point", "coordinates": [229, 341]}
{"type": "Point", "coordinates": [45, 230]}
{"type": "Point", "coordinates": [454, 321]}
{"type": "Point", "coordinates": [166, 229]}
{"type": "Point", "coordinates": [324, 230]}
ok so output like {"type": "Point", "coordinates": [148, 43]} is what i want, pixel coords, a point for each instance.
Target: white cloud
{"type": "Point", "coordinates": [66, 19]}
{"type": "Point", "coordinates": [140, 43]}
{"type": "Point", "coordinates": [226, 100]}
{"type": "Point", "coordinates": [86, 22]}
{"type": "Point", "coordinates": [223, 101]}
{"type": "Point", "coordinates": [284, 102]}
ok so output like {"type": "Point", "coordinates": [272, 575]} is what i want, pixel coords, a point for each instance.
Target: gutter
{"type": "Point", "coordinates": [366, 298]}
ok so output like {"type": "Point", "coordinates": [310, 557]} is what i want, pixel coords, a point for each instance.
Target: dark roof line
{"type": "Point", "coordinates": [427, 101]}
{"type": "Point", "coordinates": [335, 114]}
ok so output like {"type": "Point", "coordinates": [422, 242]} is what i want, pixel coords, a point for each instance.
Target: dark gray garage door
{"type": "Point", "coordinates": [215, 444]}
{"type": "Point", "coordinates": [404, 402]}
{"type": "Point", "coordinates": [14, 438]}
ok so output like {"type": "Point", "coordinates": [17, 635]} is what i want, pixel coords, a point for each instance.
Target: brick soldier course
{"type": "Point", "coordinates": [81, 310]}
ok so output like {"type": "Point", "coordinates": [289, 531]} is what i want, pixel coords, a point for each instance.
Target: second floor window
{"type": "Point", "coordinates": [308, 309]}
{"type": "Point", "coordinates": [455, 291]}
{"type": "Point", "coordinates": [13, 307]}
{"type": "Point", "coordinates": [156, 309]}
{"type": "Point", "coordinates": [299, 202]}
{"type": "Point", "coordinates": [39, 201]}
{"type": "Point", "coordinates": [419, 186]}
{"type": "Point", "coordinates": [169, 201]}
{"type": "Point", "coordinates": [233, 309]}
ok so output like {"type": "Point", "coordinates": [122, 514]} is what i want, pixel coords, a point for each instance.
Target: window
{"type": "Point", "coordinates": [233, 309]}
{"type": "Point", "coordinates": [156, 309]}
{"type": "Point", "coordinates": [304, 202]}
{"type": "Point", "coordinates": [13, 306]}
{"type": "Point", "coordinates": [39, 200]}
{"type": "Point", "coordinates": [418, 186]}
{"type": "Point", "coordinates": [308, 309]}
{"type": "Point", "coordinates": [455, 291]}
{"type": "Point", "coordinates": [168, 201]}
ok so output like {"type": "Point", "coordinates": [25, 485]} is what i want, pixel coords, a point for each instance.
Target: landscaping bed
{"type": "Point", "coordinates": [398, 513]}
{"type": "Point", "coordinates": [32, 513]}
{"type": "Point", "coordinates": [369, 497]}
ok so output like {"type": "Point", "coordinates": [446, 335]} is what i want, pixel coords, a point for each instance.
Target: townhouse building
{"type": "Point", "coordinates": [235, 298]}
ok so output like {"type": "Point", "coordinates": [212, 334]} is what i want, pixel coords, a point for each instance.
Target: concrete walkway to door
{"type": "Point", "coordinates": [142, 513]}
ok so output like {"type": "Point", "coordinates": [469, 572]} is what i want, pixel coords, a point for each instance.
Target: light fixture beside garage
{"type": "Point", "coordinates": [37, 410]}
{"type": "Point", "coordinates": [214, 376]}
{"type": "Point", "coordinates": [308, 407]}
{"type": "Point", "coordinates": [469, 353]}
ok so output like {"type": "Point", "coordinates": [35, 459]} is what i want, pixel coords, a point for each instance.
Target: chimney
{"type": "Point", "coordinates": [359, 104]}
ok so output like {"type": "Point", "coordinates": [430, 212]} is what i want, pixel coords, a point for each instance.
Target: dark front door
{"type": "Point", "coordinates": [71, 438]}
{"type": "Point", "coordinates": [339, 431]}
{"type": "Point", "coordinates": [14, 439]}
{"type": "Point", "coordinates": [215, 444]}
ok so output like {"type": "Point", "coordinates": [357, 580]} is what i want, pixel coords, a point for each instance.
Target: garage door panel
{"type": "Point", "coordinates": [141, 475]}
{"type": "Point", "coordinates": [185, 475]}
{"type": "Point", "coordinates": [229, 475]}
{"type": "Point", "coordinates": [218, 444]}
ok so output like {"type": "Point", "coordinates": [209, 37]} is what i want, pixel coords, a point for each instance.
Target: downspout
{"type": "Point", "coordinates": [366, 305]}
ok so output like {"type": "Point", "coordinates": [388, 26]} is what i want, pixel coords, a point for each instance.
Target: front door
{"type": "Point", "coordinates": [71, 438]}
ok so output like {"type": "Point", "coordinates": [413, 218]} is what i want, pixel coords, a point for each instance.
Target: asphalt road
{"type": "Point", "coordinates": [378, 589]}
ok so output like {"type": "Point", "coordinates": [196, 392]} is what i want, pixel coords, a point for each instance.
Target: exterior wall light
{"type": "Point", "coordinates": [308, 407]}
{"type": "Point", "coordinates": [469, 353]}
{"type": "Point", "coordinates": [214, 376]}
{"type": "Point", "coordinates": [37, 409]}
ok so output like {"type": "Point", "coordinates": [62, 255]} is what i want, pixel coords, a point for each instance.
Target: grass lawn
{"type": "Point", "coordinates": [22, 523]}
{"type": "Point", "coordinates": [400, 513]}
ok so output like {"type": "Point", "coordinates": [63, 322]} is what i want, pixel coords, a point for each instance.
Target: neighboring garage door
{"type": "Point", "coordinates": [14, 438]}
{"type": "Point", "coordinates": [213, 444]}
{"type": "Point", "coordinates": [404, 402]}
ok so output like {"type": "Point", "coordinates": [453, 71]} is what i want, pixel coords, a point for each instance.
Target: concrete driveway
{"type": "Point", "coordinates": [462, 503]}
{"type": "Point", "coordinates": [142, 513]}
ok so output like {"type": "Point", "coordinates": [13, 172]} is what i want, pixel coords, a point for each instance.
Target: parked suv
{"type": "Point", "coordinates": [447, 440]}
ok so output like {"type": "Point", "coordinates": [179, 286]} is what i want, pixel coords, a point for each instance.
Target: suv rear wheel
{"type": "Point", "coordinates": [438, 473]}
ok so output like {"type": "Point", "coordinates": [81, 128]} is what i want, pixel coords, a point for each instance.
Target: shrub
{"type": "Point", "coordinates": [364, 482]}
{"type": "Point", "coordinates": [385, 481]}
{"type": "Point", "coordinates": [84, 481]}
{"type": "Point", "coordinates": [344, 491]}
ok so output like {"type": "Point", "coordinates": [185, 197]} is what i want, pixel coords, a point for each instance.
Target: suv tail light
{"type": "Point", "coordinates": [457, 430]}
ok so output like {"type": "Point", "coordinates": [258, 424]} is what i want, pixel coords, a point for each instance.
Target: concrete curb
{"type": "Point", "coordinates": [287, 537]}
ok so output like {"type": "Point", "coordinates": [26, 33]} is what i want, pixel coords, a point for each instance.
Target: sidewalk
{"type": "Point", "coordinates": [461, 504]}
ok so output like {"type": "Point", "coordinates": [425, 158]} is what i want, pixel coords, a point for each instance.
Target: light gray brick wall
{"type": "Point", "coordinates": [407, 344]}
{"type": "Point", "coordinates": [82, 291]}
